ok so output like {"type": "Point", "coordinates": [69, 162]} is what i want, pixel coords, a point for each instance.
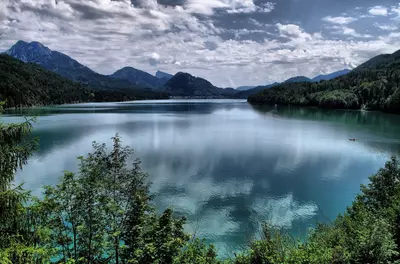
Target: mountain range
{"type": "Point", "coordinates": [65, 66]}
{"type": "Point", "coordinates": [29, 84]}
{"type": "Point", "coordinates": [318, 78]}
{"type": "Point", "coordinates": [180, 84]}
{"type": "Point", "coordinates": [245, 93]}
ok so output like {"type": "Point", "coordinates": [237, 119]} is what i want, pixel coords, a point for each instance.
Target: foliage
{"type": "Point", "coordinates": [197, 251]}
{"type": "Point", "coordinates": [103, 214]}
{"type": "Point", "coordinates": [18, 234]}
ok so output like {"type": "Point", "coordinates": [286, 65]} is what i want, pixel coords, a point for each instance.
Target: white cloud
{"type": "Point", "coordinates": [378, 11]}
{"type": "Point", "coordinates": [352, 32]}
{"type": "Point", "coordinates": [346, 31]}
{"type": "Point", "coordinates": [154, 58]}
{"type": "Point", "coordinates": [396, 10]}
{"type": "Point", "coordinates": [206, 7]}
{"type": "Point", "coordinates": [248, 6]}
{"type": "Point", "coordinates": [386, 27]}
{"type": "Point", "coordinates": [339, 20]}
{"type": "Point", "coordinates": [293, 31]}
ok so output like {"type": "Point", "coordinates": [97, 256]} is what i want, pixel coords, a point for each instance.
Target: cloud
{"type": "Point", "coordinates": [194, 36]}
{"type": "Point", "coordinates": [207, 7]}
{"type": "Point", "coordinates": [378, 11]}
{"type": "Point", "coordinates": [154, 58]}
{"type": "Point", "coordinates": [386, 27]}
{"type": "Point", "coordinates": [293, 31]}
{"type": "Point", "coordinates": [248, 6]}
{"type": "Point", "coordinates": [339, 20]}
{"type": "Point", "coordinates": [396, 10]}
{"type": "Point", "coordinates": [352, 32]}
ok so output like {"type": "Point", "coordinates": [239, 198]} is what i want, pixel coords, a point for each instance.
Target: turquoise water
{"type": "Point", "coordinates": [225, 165]}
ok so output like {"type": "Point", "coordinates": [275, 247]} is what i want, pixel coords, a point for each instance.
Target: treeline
{"type": "Point", "coordinates": [104, 213]}
{"type": "Point", "coordinates": [26, 84]}
{"type": "Point", "coordinates": [375, 85]}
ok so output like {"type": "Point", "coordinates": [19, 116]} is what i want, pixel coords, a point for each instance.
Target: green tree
{"type": "Point", "coordinates": [104, 214]}
{"type": "Point", "coordinates": [17, 231]}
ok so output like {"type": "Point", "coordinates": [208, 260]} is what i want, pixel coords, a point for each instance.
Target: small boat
{"type": "Point", "coordinates": [352, 139]}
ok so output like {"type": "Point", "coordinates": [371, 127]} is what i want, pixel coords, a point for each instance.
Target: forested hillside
{"type": "Point", "coordinates": [374, 85]}
{"type": "Point", "coordinates": [185, 84]}
{"type": "Point", "coordinates": [26, 84]}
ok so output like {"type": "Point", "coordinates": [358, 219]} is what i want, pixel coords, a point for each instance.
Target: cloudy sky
{"type": "Point", "coordinates": [229, 42]}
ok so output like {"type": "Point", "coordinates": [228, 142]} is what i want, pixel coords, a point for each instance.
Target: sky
{"type": "Point", "coordinates": [229, 42]}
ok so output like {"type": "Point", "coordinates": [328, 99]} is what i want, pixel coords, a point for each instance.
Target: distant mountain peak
{"type": "Point", "coordinates": [326, 77]}
{"type": "Point", "coordinates": [29, 52]}
{"type": "Point", "coordinates": [161, 74]}
{"type": "Point", "coordinates": [163, 77]}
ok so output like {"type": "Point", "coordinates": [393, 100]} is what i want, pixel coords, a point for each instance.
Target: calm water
{"type": "Point", "coordinates": [224, 164]}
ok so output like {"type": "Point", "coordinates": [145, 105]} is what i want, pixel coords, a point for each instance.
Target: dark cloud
{"type": "Point", "coordinates": [171, 2]}
{"type": "Point", "coordinates": [210, 45]}
{"type": "Point", "coordinates": [91, 12]}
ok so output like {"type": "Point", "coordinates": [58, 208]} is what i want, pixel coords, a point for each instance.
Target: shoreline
{"type": "Point", "coordinates": [326, 108]}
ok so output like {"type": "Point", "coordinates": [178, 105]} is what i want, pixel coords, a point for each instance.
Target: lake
{"type": "Point", "coordinates": [224, 164]}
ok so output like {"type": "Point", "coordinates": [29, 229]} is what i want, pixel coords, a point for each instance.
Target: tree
{"type": "Point", "coordinates": [17, 235]}
{"type": "Point", "coordinates": [104, 214]}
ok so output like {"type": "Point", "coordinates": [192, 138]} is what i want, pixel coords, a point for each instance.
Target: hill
{"type": "Point", "coordinates": [244, 88]}
{"type": "Point", "coordinates": [373, 85]}
{"type": "Point", "coordinates": [138, 77]}
{"type": "Point", "coordinates": [381, 62]}
{"type": "Point", "coordinates": [27, 84]}
{"type": "Point", "coordinates": [245, 94]}
{"type": "Point", "coordinates": [330, 76]}
{"type": "Point", "coordinates": [298, 79]}
{"type": "Point", "coordinates": [186, 85]}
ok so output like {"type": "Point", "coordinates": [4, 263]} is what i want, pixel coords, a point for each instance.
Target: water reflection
{"type": "Point", "coordinates": [226, 165]}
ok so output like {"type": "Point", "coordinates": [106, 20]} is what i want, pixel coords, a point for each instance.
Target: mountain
{"type": "Point", "coordinates": [184, 84]}
{"type": "Point", "coordinates": [163, 75]}
{"type": "Point", "coordinates": [330, 76]}
{"type": "Point", "coordinates": [244, 88]}
{"type": "Point", "coordinates": [67, 67]}
{"type": "Point", "coordinates": [28, 84]}
{"type": "Point", "coordinates": [138, 77]}
{"type": "Point", "coordinates": [298, 79]}
{"type": "Point", "coordinates": [374, 85]}
{"type": "Point", "coordinates": [245, 94]}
